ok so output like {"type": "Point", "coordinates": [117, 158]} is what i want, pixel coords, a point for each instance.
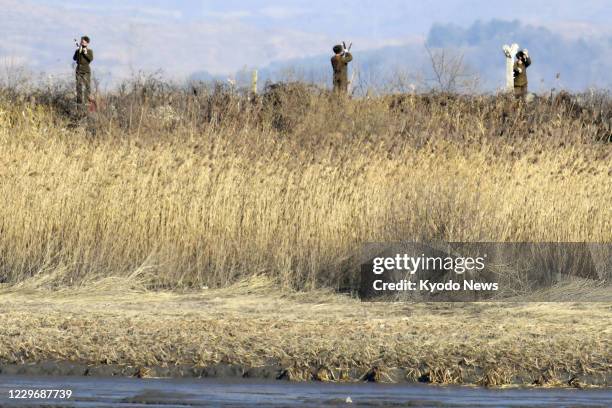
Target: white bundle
{"type": "Point", "coordinates": [510, 51]}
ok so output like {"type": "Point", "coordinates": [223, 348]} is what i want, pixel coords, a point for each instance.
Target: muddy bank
{"type": "Point", "coordinates": [221, 371]}
{"type": "Point", "coordinates": [466, 376]}
{"type": "Point", "coordinates": [261, 333]}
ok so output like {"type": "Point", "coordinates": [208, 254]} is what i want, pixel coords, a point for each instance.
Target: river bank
{"type": "Point", "coordinates": [255, 330]}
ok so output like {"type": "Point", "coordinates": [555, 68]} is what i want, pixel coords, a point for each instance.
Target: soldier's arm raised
{"type": "Point", "coordinates": [348, 57]}
{"type": "Point", "coordinates": [527, 62]}
{"type": "Point", "coordinates": [89, 55]}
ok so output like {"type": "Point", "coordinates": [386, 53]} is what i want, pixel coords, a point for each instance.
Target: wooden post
{"type": "Point", "coordinates": [350, 83]}
{"type": "Point", "coordinates": [254, 82]}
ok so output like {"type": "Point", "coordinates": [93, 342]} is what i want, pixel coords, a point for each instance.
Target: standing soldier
{"type": "Point", "coordinates": [520, 73]}
{"type": "Point", "coordinates": [340, 65]}
{"type": "Point", "coordinates": [83, 57]}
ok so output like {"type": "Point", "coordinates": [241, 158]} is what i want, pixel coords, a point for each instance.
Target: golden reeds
{"type": "Point", "coordinates": [179, 189]}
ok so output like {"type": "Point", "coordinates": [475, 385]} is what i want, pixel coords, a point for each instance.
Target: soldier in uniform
{"type": "Point", "coordinates": [340, 65]}
{"type": "Point", "coordinates": [520, 73]}
{"type": "Point", "coordinates": [83, 57]}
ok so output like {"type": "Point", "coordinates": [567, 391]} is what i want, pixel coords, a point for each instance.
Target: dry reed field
{"type": "Point", "coordinates": [115, 224]}
{"type": "Point", "coordinates": [196, 187]}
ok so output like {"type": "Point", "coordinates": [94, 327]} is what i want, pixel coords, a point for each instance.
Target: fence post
{"type": "Point", "coordinates": [254, 82]}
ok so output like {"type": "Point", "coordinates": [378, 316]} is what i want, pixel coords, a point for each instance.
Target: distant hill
{"type": "Point", "coordinates": [559, 61]}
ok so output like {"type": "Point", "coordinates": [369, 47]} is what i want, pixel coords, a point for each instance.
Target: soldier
{"type": "Point", "coordinates": [520, 73]}
{"type": "Point", "coordinates": [83, 57]}
{"type": "Point", "coordinates": [340, 65]}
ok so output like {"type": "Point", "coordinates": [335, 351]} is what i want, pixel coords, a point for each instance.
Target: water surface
{"type": "Point", "coordinates": [161, 393]}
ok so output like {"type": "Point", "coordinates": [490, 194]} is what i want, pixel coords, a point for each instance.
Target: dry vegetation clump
{"type": "Point", "coordinates": [204, 185]}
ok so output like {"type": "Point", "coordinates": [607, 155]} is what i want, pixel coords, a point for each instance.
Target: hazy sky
{"type": "Point", "coordinates": [220, 37]}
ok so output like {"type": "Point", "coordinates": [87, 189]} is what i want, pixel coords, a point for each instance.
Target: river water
{"type": "Point", "coordinates": [160, 393]}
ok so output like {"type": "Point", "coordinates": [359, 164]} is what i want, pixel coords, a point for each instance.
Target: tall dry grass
{"type": "Point", "coordinates": [203, 186]}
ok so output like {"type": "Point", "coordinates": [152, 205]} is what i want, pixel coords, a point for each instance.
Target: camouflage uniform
{"type": "Point", "coordinates": [83, 74]}
{"type": "Point", "coordinates": [520, 77]}
{"type": "Point", "coordinates": [340, 65]}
